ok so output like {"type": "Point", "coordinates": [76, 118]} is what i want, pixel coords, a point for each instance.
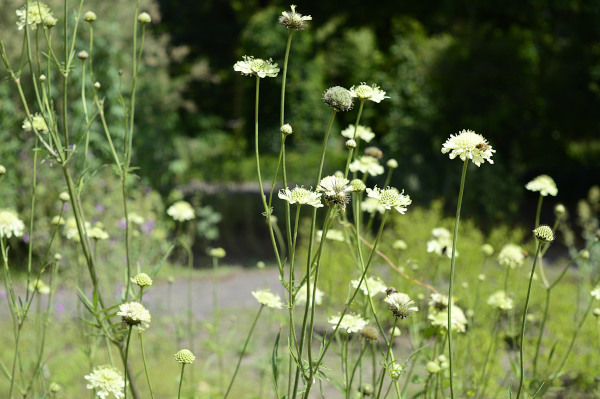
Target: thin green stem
{"type": "Point", "coordinates": [146, 366]}
{"type": "Point", "coordinates": [387, 356]}
{"type": "Point", "coordinates": [126, 363]}
{"type": "Point", "coordinates": [451, 284]}
{"type": "Point", "coordinates": [180, 381]}
{"type": "Point", "coordinates": [351, 153]}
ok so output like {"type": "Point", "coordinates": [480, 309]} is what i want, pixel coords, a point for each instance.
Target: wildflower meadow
{"type": "Point", "coordinates": [327, 270]}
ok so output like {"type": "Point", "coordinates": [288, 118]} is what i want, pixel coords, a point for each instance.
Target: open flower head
{"type": "Point", "coordinates": [401, 305]}
{"type": "Point", "coordinates": [135, 314]}
{"type": "Point", "coordinates": [351, 323]}
{"type": "Point", "coordinates": [10, 224]}
{"type": "Point", "coordinates": [301, 196]}
{"type": "Point", "coordinates": [267, 298]}
{"type": "Point", "coordinates": [294, 20]}
{"type": "Point", "coordinates": [251, 66]}
{"type": "Point", "coordinates": [390, 198]}
{"type": "Point", "coordinates": [543, 184]}
{"type": "Point", "coordinates": [105, 381]}
{"type": "Point", "coordinates": [595, 293]}
{"type": "Point", "coordinates": [333, 235]}
{"type": "Point", "coordinates": [372, 205]}
{"type": "Point", "coordinates": [365, 92]}
{"type": "Point", "coordinates": [37, 122]}
{"type": "Point", "coordinates": [301, 296]}
{"type": "Point", "coordinates": [440, 242]}
{"type": "Point", "coordinates": [33, 14]}
{"type": "Point", "coordinates": [500, 301]}
{"type": "Point", "coordinates": [458, 321]}
{"type": "Point", "coordinates": [511, 255]}
{"type": "Point", "coordinates": [181, 211]}
{"type": "Point", "coordinates": [335, 190]}
{"type": "Point", "coordinates": [376, 286]}
{"type": "Point", "coordinates": [367, 164]}
{"type": "Point", "coordinates": [363, 133]}
{"type": "Point", "coordinates": [469, 145]}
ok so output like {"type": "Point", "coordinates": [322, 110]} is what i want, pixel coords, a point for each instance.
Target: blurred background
{"type": "Point", "coordinates": [524, 74]}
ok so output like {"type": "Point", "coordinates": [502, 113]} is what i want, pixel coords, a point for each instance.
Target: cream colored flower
{"type": "Point", "coordinates": [511, 255]}
{"type": "Point", "coordinates": [97, 232]}
{"type": "Point", "coordinates": [401, 305]}
{"type": "Point", "coordinates": [301, 196]}
{"type": "Point", "coordinates": [267, 298]}
{"type": "Point", "coordinates": [301, 296]}
{"type": "Point", "coordinates": [363, 133]}
{"type": "Point", "coordinates": [251, 66]}
{"type": "Point", "coordinates": [181, 211]}
{"type": "Point", "coordinates": [332, 234]}
{"type": "Point", "coordinates": [390, 198]}
{"type": "Point", "coordinates": [352, 323]}
{"type": "Point", "coordinates": [335, 190]}
{"type": "Point", "coordinates": [440, 319]}
{"type": "Point", "coordinates": [135, 314]}
{"type": "Point", "coordinates": [372, 205]}
{"type": "Point", "coordinates": [106, 380]}
{"type": "Point", "coordinates": [595, 293]}
{"type": "Point", "coordinates": [367, 164]}
{"type": "Point", "coordinates": [544, 184]}
{"type": "Point", "coordinates": [33, 14]}
{"type": "Point", "coordinates": [441, 242]}
{"type": "Point", "coordinates": [500, 301]}
{"type": "Point", "coordinates": [375, 284]}
{"type": "Point", "coordinates": [185, 356]}
{"type": "Point", "coordinates": [10, 224]}
{"type": "Point", "coordinates": [469, 145]}
{"type": "Point", "coordinates": [294, 20]}
{"type": "Point", "coordinates": [366, 92]}
{"type": "Point", "coordinates": [39, 124]}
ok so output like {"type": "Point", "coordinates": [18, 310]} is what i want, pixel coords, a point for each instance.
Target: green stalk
{"type": "Point", "coordinates": [522, 343]}
{"type": "Point", "coordinates": [452, 262]}
{"type": "Point", "coordinates": [482, 378]}
{"type": "Point", "coordinates": [180, 381]}
{"type": "Point", "coordinates": [126, 363]}
{"type": "Point", "coordinates": [387, 356]}
{"type": "Point", "coordinates": [237, 367]}
{"type": "Point", "coordinates": [351, 153]}
{"type": "Point", "coordinates": [146, 366]}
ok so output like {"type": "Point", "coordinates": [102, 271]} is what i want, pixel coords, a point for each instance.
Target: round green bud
{"type": "Point", "coordinates": [216, 253]}
{"type": "Point", "coordinates": [433, 367]}
{"type": "Point", "coordinates": [286, 129]}
{"type": "Point", "coordinates": [89, 16]}
{"type": "Point", "coordinates": [144, 18]}
{"type": "Point", "coordinates": [49, 21]}
{"type": "Point", "coordinates": [97, 85]}
{"type": "Point", "coordinates": [585, 254]}
{"type": "Point", "coordinates": [544, 233]}
{"type": "Point", "coordinates": [560, 210]}
{"type": "Point", "coordinates": [487, 249]}
{"type": "Point", "coordinates": [358, 185]}
{"type": "Point", "coordinates": [64, 196]}
{"type": "Point", "coordinates": [2, 170]}
{"type": "Point", "coordinates": [57, 257]}
{"type": "Point", "coordinates": [83, 55]}
{"type": "Point", "coordinates": [363, 91]}
{"type": "Point", "coordinates": [395, 371]}
{"type": "Point", "coordinates": [351, 143]}
{"type": "Point", "coordinates": [185, 356]}
{"type": "Point", "coordinates": [392, 164]}
{"type": "Point", "coordinates": [142, 280]}
{"type": "Point", "coordinates": [42, 78]}
{"type": "Point", "coordinates": [366, 389]}
{"type": "Point", "coordinates": [338, 98]}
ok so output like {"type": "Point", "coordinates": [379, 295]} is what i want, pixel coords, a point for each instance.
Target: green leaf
{"type": "Point", "coordinates": [275, 362]}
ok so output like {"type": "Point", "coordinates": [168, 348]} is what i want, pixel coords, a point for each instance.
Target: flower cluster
{"type": "Point", "coordinates": [458, 319]}
{"type": "Point", "coordinates": [181, 211]}
{"type": "Point", "coordinates": [301, 196]}
{"type": "Point", "coordinates": [294, 20]}
{"type": "Point", "coordinates": [441, 242]}
{"type": "Point", "coordinates": [34, 14]}
{"type": "Point", "coordinates": [469, 145]}
{"type": "Point", "coordinates": [135, 314]}
{"type": "Point", "coordinates": [367, 164]}
{"type": "Point", "coordinates": [511, 255]}
{"type": "Point", "coordinates": [544, 184]}
{"type": "Point", "coordinates": [500, 301]}
{"type": "Point", "coordinates": [363, 133]}
{"type": "Point", "coordinates": [390, 198]}
{"type": "Point", "coordinates": [10, 224]}
{"type": "Point", "coordinates": [142, 280]}
{"type": "Point", "coordinates": [352, 323]}
{"type": "Point", "coordinates": [185, 356]}
{"type": "Point", "coordinates": [376, 286]}
{"type": "Point", "coordinates": [301, 296]}
{"type": "Point", "coordinates": [437, 365]}
{"type": "Point", "coordinates": [267, 298]}
{"type": "Point", "coordinates": [366, 92]}
{"type": "Point", "coordinates": [335, 190]}
{"type": "Point", "coordinates": [37, 122]}
{"type": "Point", "coordinates": [251, 66]}
{"type": "Point", "coordinates": [338, 98]}
{"type": "Point", "coordinates": [544, 233]}
{"type": "Point", "coordinates": [401, 305]}
{"type": "Point", "coordinates": [332, 234]}
{"type": "Point", "coordinates": [106, 380]}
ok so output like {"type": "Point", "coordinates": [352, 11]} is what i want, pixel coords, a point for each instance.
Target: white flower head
{"type": "Point", "coordinates": [544, 184]}
{"type": "Point", "coordinates": [367, 164]}
{"type": "Point", "coordinates": [135, 314]}
{"type": "Point", "coordinates": [37, 122]}
{"type": "Point", "coordinates": [256, 67]}
{"type": "Point", "coordinates": [301, 296]}
{"type": "Point", "coordinates": [401, 305]}
{"type": "Point", "coordinates": [458, 319]}
{"type": "Point", "coordinates": [335, 190]}
{"type": "Point", "coordinates": [40, 287]}
{"type": "Point", "coordinates": [181, 211]}
{"type": "Point", "coordinates": [375, 284]}
{"type": "Point", "coordinates": [97, 232]}
{"type": "Point", "coordinates": [10, 224]}
{"type": "Point", "coordinates": [390, 198]}
{"type": "Point", "coordinates": [294, 20]}
{"type": "Point", "coordinates": [352, 323]}
{"type": "Point", "coordinates": [301, 196]}
{"type": "Point", "coordinates": [469, 145]}
{"type": "Point", "coordinates": [267, 298]}
{"type": "Point", "coordinates": [366, 92]}
{"type": "Point", "coordinates": [372, 205]}
{"type": "Point", "coordinates": [595, 293]}
{"type": "Point", "coordinates": [33, 14]}
{"type": "Point", "coordinates": [363, 133]}
{"type": "Point", "coordinates": [441, 242]}
{"type": "Point", "coordinates": [333, 235]}
{"type": "Point", "coordinates": [106, 380]}
{"type": "Point", "coordinates": [511, 255]}
{"type": "Point", "coordinates": [500, 301]}
{"type": "Point", "coordinates": [438, 301]}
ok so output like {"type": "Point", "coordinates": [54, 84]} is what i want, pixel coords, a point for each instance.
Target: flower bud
{"type": "Point", "coordinates": [89, 16]}
{"type": "Point", "coordinates": [366, 389]}
{"type": "Point", "coordinates": [42, 78]}
{"type": "Point", "coordinates": [585, 254]}
{"type": "Point", "coordinates": [560, 210]}
{"type": "Point", "coordinates": [50, 21]}
{"type": "Point", "coordinates": [286, 129]}
{"type": "Point", "coordinates": [57, 257]}
{"type": "Point", "coordinates": [338, 98]}
{"type": "Point", "coordinates": [142, 280]}
{"type": "Point", "coordinates": [2, 170]}
{"type": "Point", "coordinates": [144, 18]}
{"type": "Point", "coordinates": [350, 143]}
{"type": "Point", "coordinates": [97, 85]}
{"type": "Point", "coordinates": [216, 253]}
{"type": "Point", "coordinates": [64, 196]}
{"type": "Point", "coordinates": [83, 55]}
{"type": "Point", "coordinates": [392, 164]}
{"type": "Point", "coordinates": [185, 356]}
{"type": "Point", "coordinates": [544, 233]}
{"type": "Point", "coordinates": [358, 185]}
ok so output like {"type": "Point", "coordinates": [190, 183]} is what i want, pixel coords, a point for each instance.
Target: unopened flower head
{"type": "Point", "coordinates": [595, 293]}
{"type": "Point", "coordinates": [49, 21]}
{"type": "Point", "coordinates": [2, 170]}
{"type": "Point", "coordinates": [395, 371]}
{"type": "Point", "coordinates": [301, 296]}
{"type": "Point", "coordinates": [358, 186]}
{"type": "Point", "coordinates": [511, 255]}
{"type": "Point", "coordinates": [469, 145]}
{"type": "Point", "coordinates": [294, 20]}
{"type": "Point", "coordinates": [487, 249]}
{"type": "Point", "coordinates": [370, 333]}
{"type": "Point", "coordinates": [544, 184]}
{"type": "Point", "coordinates": [500, 301]}
{"type": "Point", "coordinates": [392, 163]}
{"type": "Point", "coordinates": [560, 211]}
{"type": "Point", "coordinates": [97, 232]}
{"type": "Point", "coordinates": [350, 143]}
{"type": "Point", "coordinates": [89, 16]}
{"type": "Point", "coordinates": [40, 287]}
{"type": "Point", "coordinates": [70, 230]}
{"type": "Point", "coordinates": [352, 323]}
{"type": "Point", "coordinates": [301, 196]}
{"type": "Point", "coordinates": [338, 98]}
{"type": "Point", "coordinates": [135, 314]}
{"type": "Point", "coordinates": [64, 196]}
{"type": "Point", "coordinates": [433, 367]}
{"type": "Point", "coordinates": [10, 224]}
{"type": "Point", "coordinates": [106, 380]}
{"type": "Point", "coordinates": [440, 319]}
{"type": "Point", "coordinates": [267, 298]}
{"type": "Point", "coordinates": [83, 55]}
{"type": "Point", "coordinates": [33, 14]}
{"type": "Point", "coordinates": [372, 205]}
{"type": "Point", "coordinates": [142, 280]}
{"type": "Point", "coordinates": [286, 129]}
{"type": "Point", "coordinates": [251, 66]}
{"type": "Point", "coordinates": [217, 253]}
{"type": "Point", "coordinates": [366, 92]}
{"type": "Point", "coordinates": [144, 18]}
{"type": "Point", "coordinates": [335, 190]}
{"type": "Point", "coordinates": [375, 284]}
{"type": "Point", "coordinates": [181, 211]}
{"type": "Point", "coordinates": [367, 164]}
{"type": "Point", "coordinates": [333, 235]}
{"type": "Point", "coordinates": [37, 122]}
{"type": "Point", "coordinates": [185, 356]}
{"type": "Point", "coordinates": [399, 244]}
{"type": "Point", "coordinates": [390, 198]}
{"type": "Point", "coordinates": [544, 233]}
{"type": "Point", "coordinates": [401, 305]}
{"type": "Point", "coordinates": [363, 133]}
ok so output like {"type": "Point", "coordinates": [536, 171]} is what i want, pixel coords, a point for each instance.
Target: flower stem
{"type": "Point", "coordinates": [145, 366]}
{"type": "Point", "coordinates": [522, 343]}
{"type": "Point", "coordinates": [452, 262]}
{"type": "Point", "coordinates": [126, 364]}
{"type": "Point", "coordinates": [180, 381]}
